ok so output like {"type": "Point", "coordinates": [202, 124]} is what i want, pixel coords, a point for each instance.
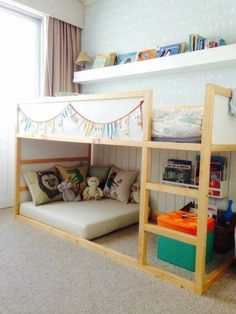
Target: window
{"type": "Point", "coordinates": [20, 69]}
{"type": "Point", "coordinates": [20, 52]}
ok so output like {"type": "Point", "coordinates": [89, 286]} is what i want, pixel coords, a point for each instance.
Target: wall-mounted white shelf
{"type": "Point", "coordinates": [224, 56]}
{"type": "Point", "coordinates": [221, 193]}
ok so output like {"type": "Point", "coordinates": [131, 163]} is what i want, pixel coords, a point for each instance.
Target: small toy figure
{"type": "Point", "coordinates": [135, 194]}
{"type": "Point", "coordinates": [67, 194]}
{"type": "Point", "coordinates": [92, 191]}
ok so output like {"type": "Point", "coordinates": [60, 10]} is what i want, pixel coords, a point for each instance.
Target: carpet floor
{"type": "Point", "coordinates": [126, 241]}
{"type": "Point", "coordinates": [41, 273]}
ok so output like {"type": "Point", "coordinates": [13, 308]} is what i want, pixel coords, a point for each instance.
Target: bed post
{"type": "Point", "coordinates": [205, 154]}
{"type": "Point", "coordinates": [145, 176]}
{"type": "Point", "coordinates": [17, 176]}
{"type": "Point", "coordinates": [91, 154]}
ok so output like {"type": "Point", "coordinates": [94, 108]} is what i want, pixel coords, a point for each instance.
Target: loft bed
{"type": "Point", "coordinates": [135, 133]}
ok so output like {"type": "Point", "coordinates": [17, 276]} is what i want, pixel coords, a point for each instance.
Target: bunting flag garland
{"type": "Point", "coordinates": [70, 113]}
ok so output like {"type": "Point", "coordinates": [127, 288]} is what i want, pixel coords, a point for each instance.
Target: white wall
{"type": "Point", "coordinates": [70, 11]}
{"type": "Point", "coordinates": [126, 26]}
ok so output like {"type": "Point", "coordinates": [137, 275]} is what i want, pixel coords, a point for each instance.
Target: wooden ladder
{"type": "Point", "coordinates": [201, 281]}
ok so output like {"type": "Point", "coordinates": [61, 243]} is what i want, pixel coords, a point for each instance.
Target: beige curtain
{"type": "Point", "coordinates": [63, 46]}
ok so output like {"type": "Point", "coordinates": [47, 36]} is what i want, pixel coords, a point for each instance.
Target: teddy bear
{"type": "Point", "coordinates": [92, 191]}
{"type": "Point", "coordinates": [135, 193]}
{"type": "Point", "coordinates": [67, 194]}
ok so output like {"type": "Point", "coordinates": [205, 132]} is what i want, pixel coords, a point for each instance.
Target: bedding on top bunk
{"type": "Point", "coordinates": [177, 124]}
{"type": "Point", "coordinates": [86, 219]}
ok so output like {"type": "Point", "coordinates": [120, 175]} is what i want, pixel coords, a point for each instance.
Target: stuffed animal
{"type": "Point", "coordinates": [92, 191]}
{"type": "Point", "coordinates": [135, 193]}
{"type": "Point", "coordinates": [67, 194]}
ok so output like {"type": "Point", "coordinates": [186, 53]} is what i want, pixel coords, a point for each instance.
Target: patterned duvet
{"type": "Point", "coordinates": [177, 123]}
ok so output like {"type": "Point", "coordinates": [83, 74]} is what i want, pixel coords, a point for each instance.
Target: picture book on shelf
{"type": "Point", "coordinates": [218, 169]}
{"type": "Point", "coordinates": [99, 62]}
{"type": "Point", "coordinates": [178, 171]}
{"type": "Point", "coordinates": [126, 58]}
{"type": "Point", "coordinates": [169, 50]}
{"type": "Point", "coordinates": [146, 54]}
{"type": "Point", "coordinates": [106, 59]}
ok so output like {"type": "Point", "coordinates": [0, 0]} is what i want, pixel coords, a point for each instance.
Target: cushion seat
{"type": "Point", "coordinates": [86, 219]}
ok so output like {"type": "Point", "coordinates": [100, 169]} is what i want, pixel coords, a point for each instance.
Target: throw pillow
{"type": "Point", "coordinates": [77, 175]}
{"type": "Point", "coordinates": [101, 172]}
{"type": "Point", "coordinates": [43, 185]}
{"type": "Point", "coordinates": [119, 183]}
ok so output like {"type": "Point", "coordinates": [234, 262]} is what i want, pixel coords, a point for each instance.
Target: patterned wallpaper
{"type": "Point", "coordinates": [126, 26]}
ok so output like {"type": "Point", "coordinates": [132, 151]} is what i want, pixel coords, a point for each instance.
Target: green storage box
{"type": "Point", "coordinates": [180, 253]}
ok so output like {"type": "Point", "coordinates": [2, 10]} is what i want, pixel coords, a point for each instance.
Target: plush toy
{"type": "Point", "coordinates": [135, 193]}
{"type": "Point", "coordinates": [67, 194]}
{"type": "Point", "coordinates": [92, 191]}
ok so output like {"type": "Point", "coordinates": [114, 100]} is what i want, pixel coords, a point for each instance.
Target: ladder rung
{"type": "Point", "coordinates": [167, 188]}
{"type": "Point", "coordinates": [173, 234]}
{"type": "Point", "coordinates": [175, 146]}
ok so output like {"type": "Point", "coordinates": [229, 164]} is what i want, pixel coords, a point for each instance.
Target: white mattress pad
{"type": "Point", "coordinates": [86, 219]}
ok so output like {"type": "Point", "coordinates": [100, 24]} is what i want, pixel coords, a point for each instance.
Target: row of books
{"type": "Point", "coordinates": [108, 59]}
{"type": "Point", "coordinates": [197, 42]}
{"type": "Point", "coordinates": [180, 171]}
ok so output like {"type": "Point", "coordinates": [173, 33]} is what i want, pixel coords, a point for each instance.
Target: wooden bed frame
{"type": "Point", "coordinates": [201, 282]}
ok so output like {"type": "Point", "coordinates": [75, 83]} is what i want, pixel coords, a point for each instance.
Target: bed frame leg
{"type": "Point", "coordinates": [17, 176]}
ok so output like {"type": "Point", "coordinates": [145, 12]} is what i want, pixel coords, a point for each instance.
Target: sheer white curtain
{"type": "Point", "coordinates": [19, 79]}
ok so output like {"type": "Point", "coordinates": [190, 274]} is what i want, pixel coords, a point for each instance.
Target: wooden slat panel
{"type": "Point", "coordinates": [173, 234]}
{"type": "Point", "coordinates": [223, 148]}
{"type": "Point", "coordinates": [172, 189]}
{"type": "Point", "coordinates": [133, 143]}
{"type": "Point", "coordinates": [82, 97]}
{"type": "Point", "coordinates": [144, 200]}
{"type": "Point", "coordinates": [175, 146]}
{"type": "Point", "coordinates": [83, 140]}
{"type": "Point", "coordinates": [53, 160]}
{"type": "Point", "coordinates": [222, 91]}
{"type": "Point", "coordinates": [180, 281]}
{"type": "Point", "coordinates": [24, 188]}
{"type": "Point", "coordinates": [217, 273]}
{"type": "Point", "coordinates": [147, 116]}
{"type": "Point", "coordinates": [17, 179]}
{"type": "Point", "coordinates": [200, 264]}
